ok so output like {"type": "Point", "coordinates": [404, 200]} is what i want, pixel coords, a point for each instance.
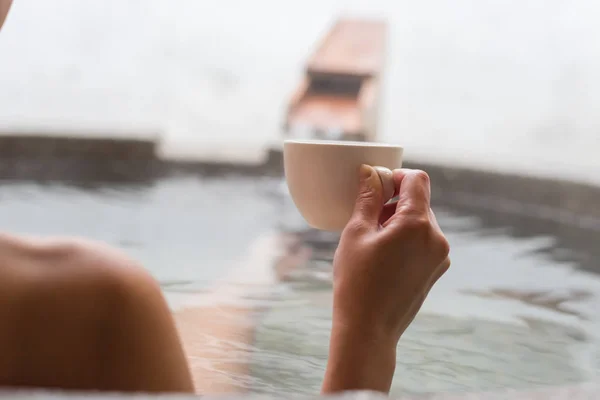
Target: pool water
{"type": "Point", "coordinates": [467, 337]}
{"type": "Point", "coordinates": [518, 308]}
{"type": "Point", "coordinates": [186, 231]}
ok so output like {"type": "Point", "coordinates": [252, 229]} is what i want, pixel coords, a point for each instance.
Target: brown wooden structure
{"type": "Point", "coordinates": [339, 95]}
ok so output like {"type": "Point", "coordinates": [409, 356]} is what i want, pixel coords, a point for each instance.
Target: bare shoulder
{"type": "Point", "coordinates": [94, 309]}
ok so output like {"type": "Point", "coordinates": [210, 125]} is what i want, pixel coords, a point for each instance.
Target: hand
{"type": "Point", "coordinates": [388, 259]}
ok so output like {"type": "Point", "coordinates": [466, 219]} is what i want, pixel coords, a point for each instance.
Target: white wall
{"type": "Point", "coordinates": [510, 84]}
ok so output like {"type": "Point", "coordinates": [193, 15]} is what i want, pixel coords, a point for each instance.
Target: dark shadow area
{"type": "Point", "coordinates": [551, 198]}
{"type": "Point", "coordinates": [335, 85]}
{"type": "Point", "coordinates": [80, 145]}
{"type": "Point", "coordinates": [89, 173]}
{"type": "Point", "coordinates": [81, 173]}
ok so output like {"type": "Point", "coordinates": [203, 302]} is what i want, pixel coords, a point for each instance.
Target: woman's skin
{"type": "Point", "coordinates": [388, 259]}
{"type": "Point", "coordinates": [80, 315]}
{"type": "Point", "coordinates": [4, 6]}
{"type": "Point", "coordinates": [219, 332]}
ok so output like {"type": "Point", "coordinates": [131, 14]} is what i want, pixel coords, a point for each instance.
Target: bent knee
{"type": "Point", "coordinates": [81, 288]}
{"type": "Point", "coordinates": [95, 271]}
{"type": "Point", "coordinates": [91, 310]}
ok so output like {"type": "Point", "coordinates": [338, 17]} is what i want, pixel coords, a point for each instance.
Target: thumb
{"type": "Point", "coordinates": [373, 192]}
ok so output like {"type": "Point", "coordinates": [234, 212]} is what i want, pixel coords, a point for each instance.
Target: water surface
{"type": "Point", "coordinates": [510, 312]}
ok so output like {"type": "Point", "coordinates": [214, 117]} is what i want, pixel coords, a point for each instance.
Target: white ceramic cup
{"type": "Point", "coordinates": [323, 176]}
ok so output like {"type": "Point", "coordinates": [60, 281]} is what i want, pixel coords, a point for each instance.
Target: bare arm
{"type": "Point", "coordinates": [389, 257]}
{"type": "Point", "coordinates": [359, 360]}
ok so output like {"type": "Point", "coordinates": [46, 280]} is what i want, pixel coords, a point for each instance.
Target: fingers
{"type": "Point", "coordinates": [414, 191]}
{"type": "Point", "coordinates": [414, 195]}
{"type": "Point", "coordinates": [376, 186]}
{"type": "Point", "coordinates": [388, 211]}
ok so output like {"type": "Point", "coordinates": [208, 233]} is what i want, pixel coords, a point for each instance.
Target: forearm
{"type": "Point", "coordinates": [359, 361]}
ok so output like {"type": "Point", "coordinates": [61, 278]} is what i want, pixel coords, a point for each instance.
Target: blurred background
{"type": "Point", "coordinates": [507, 87]}
{"type": "Point", "coordinates": [514, 84]}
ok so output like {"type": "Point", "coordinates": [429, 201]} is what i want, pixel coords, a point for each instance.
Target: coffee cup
{"type": "Point", "coordinates": [323, 176]}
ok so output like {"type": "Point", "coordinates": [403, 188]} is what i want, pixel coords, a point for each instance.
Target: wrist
{"type": "Point", "coordinates": [360, 358]}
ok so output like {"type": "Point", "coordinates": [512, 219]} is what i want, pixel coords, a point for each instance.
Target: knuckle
{"type": "Point", "coordinates": [410, 228]}
{"type": "Point", "coordinates": [422, 176]}
{"type": "Point", "coordinates": [444, 246]}
{"type": "Point", "coordinates": [417, 223]}
{"type": "Point", "coordinates": [406, 211]}
{"type": "Point", "coordinates": [355, 227]}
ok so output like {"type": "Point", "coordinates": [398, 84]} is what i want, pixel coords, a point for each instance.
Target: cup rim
{"type": "Point", "coordinates": [348, 143]}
